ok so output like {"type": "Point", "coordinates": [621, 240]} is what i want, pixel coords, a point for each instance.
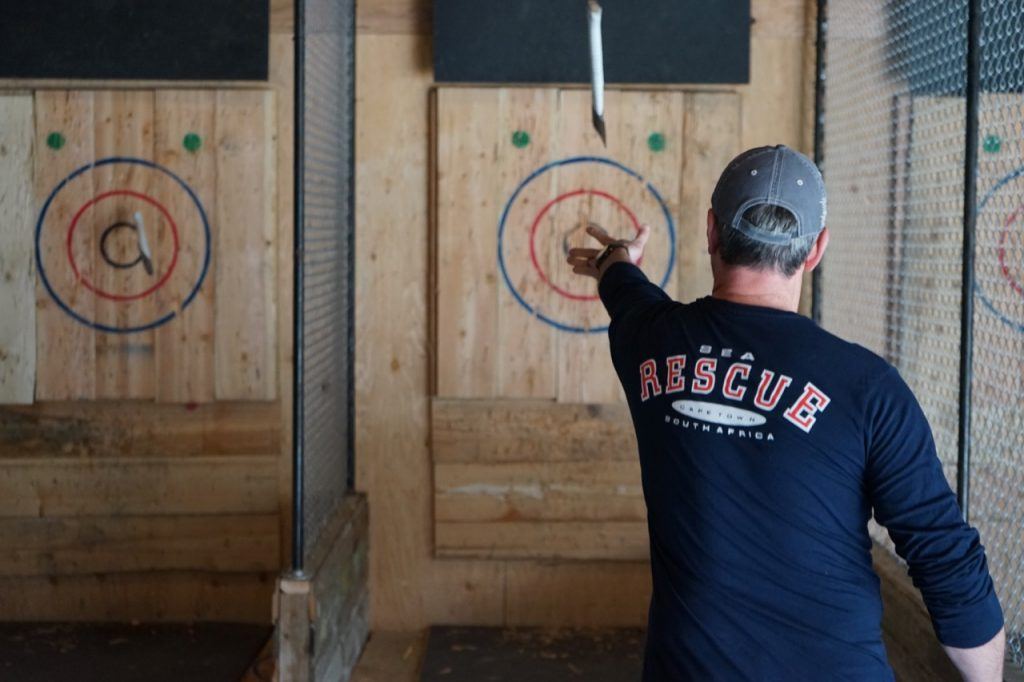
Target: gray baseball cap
{"type": "Point", "coordinates": [771, 175]}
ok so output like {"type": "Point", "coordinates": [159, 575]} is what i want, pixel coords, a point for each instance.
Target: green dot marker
{"type": "Point", "coordinates": [192, 142]}
{"type": "Point", "coordinates": [55, 140]}
{"type": "Point", "coordinates": [992, 144]}
{"type": "Point", "coordinates": [520, 138]}
{"type": "Point", "coordinates": [656, 142]}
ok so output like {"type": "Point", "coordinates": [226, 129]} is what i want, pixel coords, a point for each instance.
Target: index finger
{"type": "Point", "coordinates": [599, 233]}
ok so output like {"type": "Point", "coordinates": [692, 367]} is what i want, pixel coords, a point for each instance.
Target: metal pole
{"type": "Point", "coordinates": [350, 226]}
{"type": "Point", "coordinates": [963, 461]}
{"type": "Point", "coordinates": [298, 384]}
{"type": "Point", "coordinates": [819, 134]}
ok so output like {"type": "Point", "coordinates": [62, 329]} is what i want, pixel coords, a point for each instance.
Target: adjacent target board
{"type": "Point", "coordinates": [123, 244]}
{"type": "Point", "coordinates": [520, 176]}
{"type": "Point", "coordinates": [152, 237]}
{"type": "Point", "coordinates": [1001, 222]}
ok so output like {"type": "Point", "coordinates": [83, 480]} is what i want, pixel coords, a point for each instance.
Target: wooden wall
{"type": "Point", "coordinates": [410, 587]}
{"type": "Point", "coordinates": [143, 510]}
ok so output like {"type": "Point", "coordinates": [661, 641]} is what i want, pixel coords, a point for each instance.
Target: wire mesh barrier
{"type": "Point", "coordinates": [324, 242]}
{"type": "Point", "coordinates": [896, 142]}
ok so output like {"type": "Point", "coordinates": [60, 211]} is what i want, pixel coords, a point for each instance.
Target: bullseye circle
{"type": "Point", "coordinates": [544, 211]}
{"type": "Point", "coordinates": [106, 294]}
{"type": "Point", "coordinates": [1004, 268]}
{"type": "Point", "coordinates": [526, 236]}
{"type": "Point", "coordinates": [185, 227]}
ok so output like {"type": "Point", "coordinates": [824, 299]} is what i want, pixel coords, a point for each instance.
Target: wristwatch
{"type": "Point", "coordinates": [608, 251]}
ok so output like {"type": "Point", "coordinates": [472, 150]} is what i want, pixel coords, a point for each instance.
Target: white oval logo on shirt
{"type": "Point", "coordinates": [718, 414]}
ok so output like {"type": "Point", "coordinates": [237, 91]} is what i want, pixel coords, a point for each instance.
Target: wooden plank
{"type": "Point", "coordinates": [526, 361]}
{"type": "Point", "coordinates": [411, 17]}
{"type": "Point", "coordinates": [563, 491]}
{"type": "Point", "coordinates": [65, 349]}
{"type": "Point", "coordinates": [772, 102]}
{"type": "Point", "coordinates": [282, 19]}
{"type": "Point", "coordinates": [171, 596]}
{"type": "Point", "coordinates": [184, 347]}
{"type": "Point", "coordinates": [712, 129]}
{"type": "Point", "coordinates": [293, 605]}
{"type": "Point", "coordinates": [585, 371]}
{"type": "Point", "coordinates": [245, 301]}
{"type": "Point", "coordinates": [109, 486]}
{"type": "Point", "coordinates": [126, 544]}
{"type": "Point", "coordinates": [138, 429]}
{"type": "Point", "coordinates": [468, 201]}
{"type": "Point", "coordinates": [340, 620]}
{"type": "Point", "coordinates": [17, 247]}
{"type": "Point", "coordinates": [625, 541]}
{"type": "Point", "coordinates": [282, 61]}
{"type": "Point", "coordinates": [392, 403]}
{"type": "Point", "coordinates": [492, 431]}
{"type": "Point", "coordinates": [123, 122]}
{"type": "Point", "coordinates": [777, 18]}
{"type": "Point", "coordinates": [464, 591]}
{"type": "Point", "coordinates": [578, 594]}
{"type": "Point", "coordinates": [584, 362]}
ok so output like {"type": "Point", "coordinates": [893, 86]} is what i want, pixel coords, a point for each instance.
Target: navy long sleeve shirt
{"type": "Point", "coordinates": [765, 442]}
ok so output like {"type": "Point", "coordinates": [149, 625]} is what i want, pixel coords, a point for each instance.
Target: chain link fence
{"type": "Point", "coordinates": [324, 312]}
{"type": "Point", "coordinates": [894, 152]}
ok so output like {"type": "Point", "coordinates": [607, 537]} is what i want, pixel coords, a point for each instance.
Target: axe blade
{"type": "Point", "coordinates": [599, 126]}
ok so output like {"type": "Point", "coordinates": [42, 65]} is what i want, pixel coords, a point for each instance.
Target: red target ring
{"type": "Point", "coordinates": [1002, 252]}
{"type": "Point", "coordinates": [106, 294]}
{"type": "Point", "coordinates": [540, 216]}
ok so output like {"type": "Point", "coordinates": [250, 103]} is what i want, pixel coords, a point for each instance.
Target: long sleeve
{"type": "Point", "coordinates": [913, 500]}
{"type": "Point", "coordinates": [628, 296]}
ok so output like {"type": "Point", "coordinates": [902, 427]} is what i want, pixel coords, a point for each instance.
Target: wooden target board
{"type": "Point", "coordinates": [153, 245]}
{"type": "Point", "coordinates": [520, 175]}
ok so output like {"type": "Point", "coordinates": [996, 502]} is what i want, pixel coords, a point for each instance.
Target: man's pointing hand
{"type": "Point", "coordinates": [593, 262]}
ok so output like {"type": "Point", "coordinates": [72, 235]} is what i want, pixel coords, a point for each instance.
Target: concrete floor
{"type": "Point", "coordinates": [392, 657]}
{"type": "Point", "coordinates": [115, 652]}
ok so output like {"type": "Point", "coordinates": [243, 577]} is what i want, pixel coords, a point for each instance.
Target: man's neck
{"type": "Point", "coordinates": [756, 287]}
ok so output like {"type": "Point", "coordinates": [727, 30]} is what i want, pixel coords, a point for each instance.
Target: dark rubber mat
{"type": "Point", "coordinates": [87, 652]}
{"type": "Point", "coordinates": [463, 654]}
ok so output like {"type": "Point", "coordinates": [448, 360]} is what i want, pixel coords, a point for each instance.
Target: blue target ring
{"type": "Point", "coordinates": [92, 323]}
{"type": "Point", "coordinates": [978, 289]}
{"type": "Point", "coordinates": [651, 189]}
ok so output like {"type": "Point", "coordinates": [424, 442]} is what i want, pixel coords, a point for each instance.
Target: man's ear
{"type": "Point", "coordinates": [817, 251]}
{"type": "Point", "coordinates": [712, 233]}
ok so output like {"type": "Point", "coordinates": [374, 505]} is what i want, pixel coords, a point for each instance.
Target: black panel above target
{"type": "Point", "coordinates": [545, 41]}
{"type": "Point", "coordinates": [132, 39]}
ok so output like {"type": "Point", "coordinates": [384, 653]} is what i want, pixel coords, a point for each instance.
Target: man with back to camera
{"type": "Point", "coordinates": [764, 444]}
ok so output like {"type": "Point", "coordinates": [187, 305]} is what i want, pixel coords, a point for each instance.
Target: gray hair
{"type": "Point", "coordinates": [735, 248]}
